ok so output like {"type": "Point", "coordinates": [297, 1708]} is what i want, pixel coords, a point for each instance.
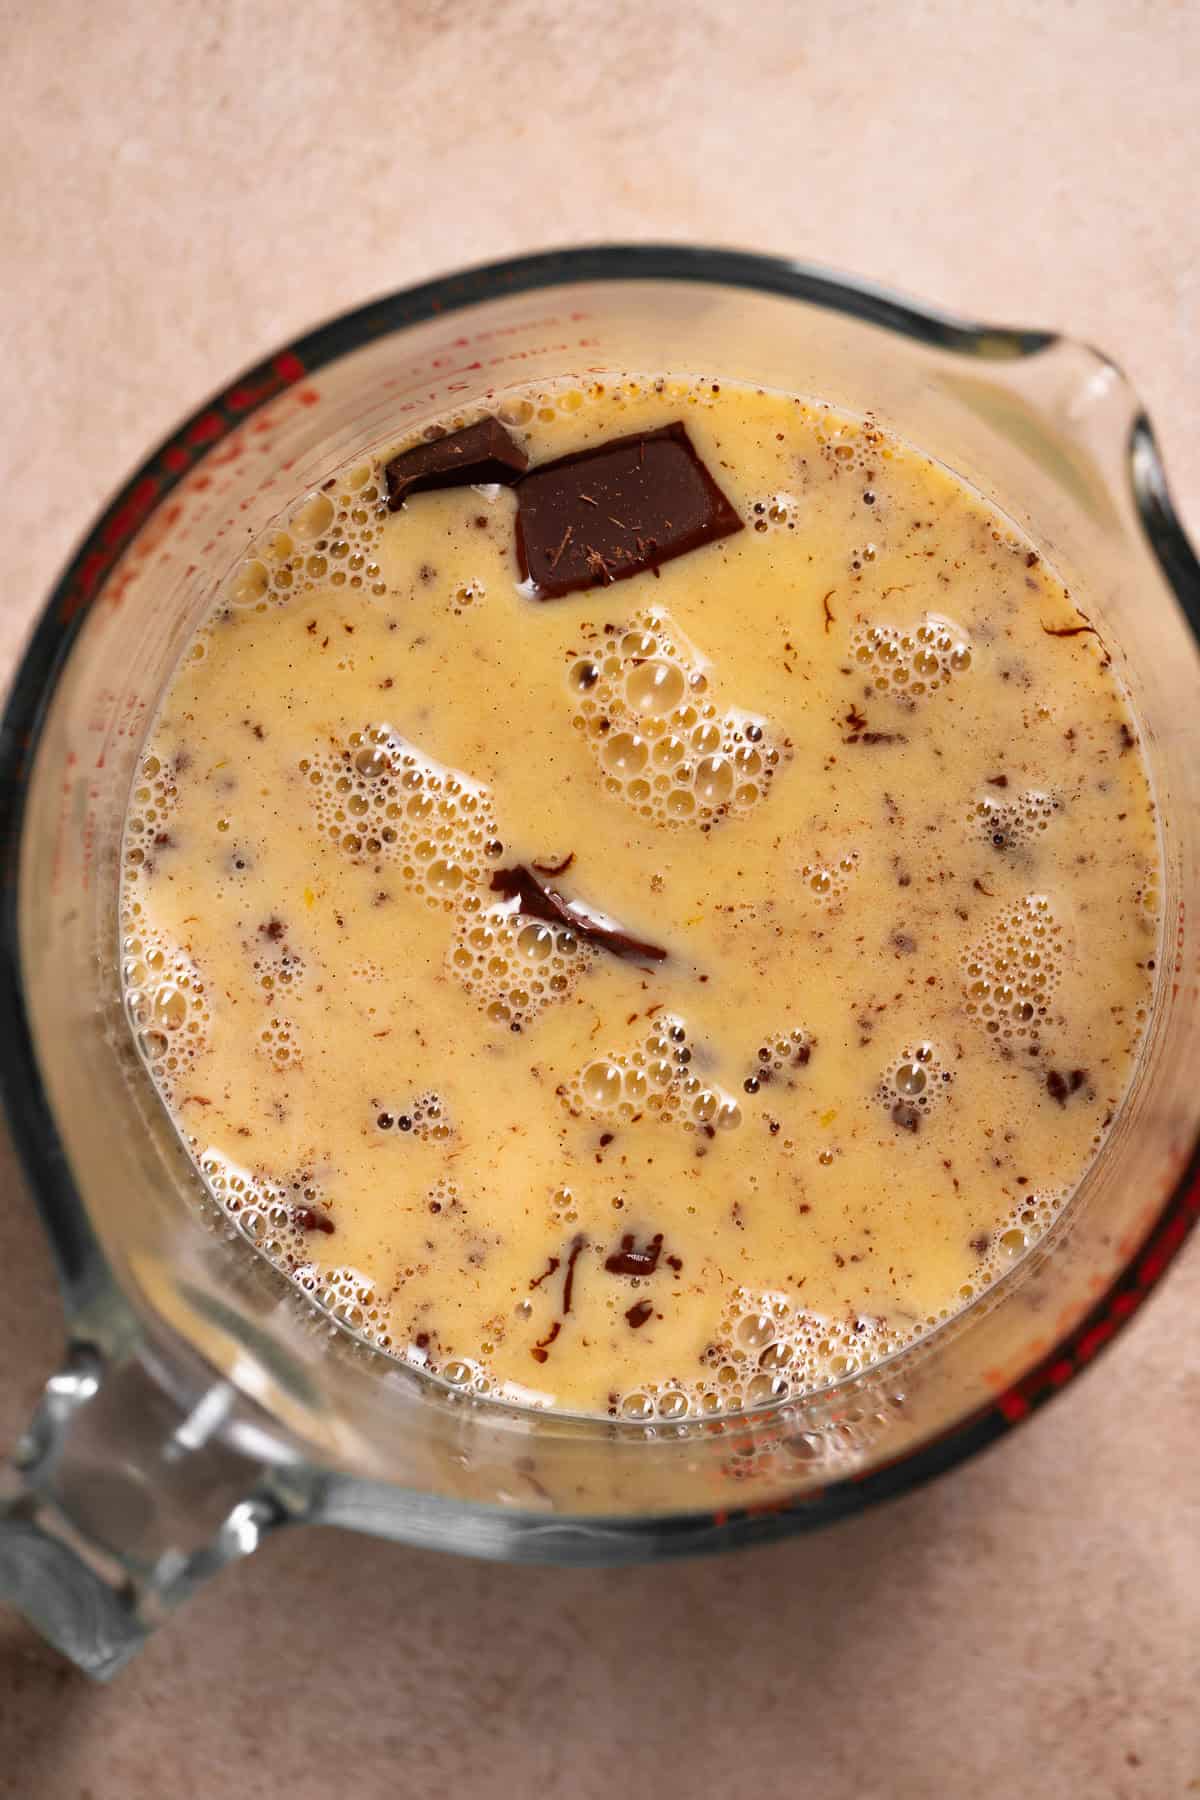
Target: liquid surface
{"type": "Point", "coordinates": [861, 770]}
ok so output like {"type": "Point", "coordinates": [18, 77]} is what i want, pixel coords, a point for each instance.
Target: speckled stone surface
{"type": "Point", "coordinates": [187, 186]}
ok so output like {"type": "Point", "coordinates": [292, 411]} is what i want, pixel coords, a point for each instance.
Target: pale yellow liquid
{"type": "Point", "coordinates": [845, 925]}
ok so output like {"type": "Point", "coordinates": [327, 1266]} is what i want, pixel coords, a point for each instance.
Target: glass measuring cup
{"type": "Point", "coordinates": [201, 1402]}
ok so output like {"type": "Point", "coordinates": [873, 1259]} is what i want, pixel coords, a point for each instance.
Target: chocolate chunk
{"type": "Point", "coordinates": [311, 1218]}
{"type": "Point", "coordinates": [482, 452]}
{"type": "Point", "coordinates": [630, 1260]}
{"type": "Point", "coordinates": [638, 1313]}
{"type": "Point", "coordinates": [1060, 1087]}
{"type": "Point", "coordinates": [605, 514]}
{"type": "Point", "coordinates": [540, 902]}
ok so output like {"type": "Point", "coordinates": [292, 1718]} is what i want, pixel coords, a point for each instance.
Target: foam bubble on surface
{"type": "Point", "coordinates": [655, 1079]}
{"type": "Point", "coordinates": [516, 966]}
{"type": "Point", "coordinates": [914, 1083]}
{"type": "Point", "coordinates": [830, 881]}
{"type": "Point", "coordinates": [381, 799]}
{"type": "Point", "coordinates": [1016, 823]}
{"type": "Point", "coordinates": [766, 1348]}
{"type": "Point", "coordinates": [662, 746]}
{"type": "Point", "coordinates": [775, 512]}
{"type": "Point", "coordinates": [152, 803]}
{"type": "Point", "coordinates": [425, 1116]}
{"type": "Point", "coordinates": [329, 540]}
{"type": "Point", "coordinates": [910, 663]}
{"type": "Point", "coordinates": [167, 1002]}
{"type": "Point", "coordinates": [1011, 973]}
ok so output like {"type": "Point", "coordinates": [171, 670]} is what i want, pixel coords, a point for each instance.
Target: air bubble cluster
{"type": "Point", "coordinates": [330, 540]}
{"type": "Point", "coordinates": [775, 512]}
{"type": "Point", "coordinates": [515, 966]}
{"type": "Point", "coordinates": [1010, 975]}
{"type": "Point", "coordinates": [424, 1117]}
{"type": "Point", "coordinates": [1012, 824]}
{"type": "Point", "coordinates": [279, 1042]}
{"type": "Point", "coordinates": [657, 1080]}
{"type": "Point", "coordinates": [380, 799]}
{"type": "Point", "coordinates": [852, 447]}
{"type": "Point", "coordinates": [1028, 1220]}
{"type": "Point", "coordinates": [914, 662]}
{"type": "Point", "coordinates": [914, 1084]}
{"type": "Point", "coordinates": [829, 881]}
{"type": "Point", "coordinates": [765, 1349]}
{"type": "Point", "coordinates": [659, 741]}
{"type": "Point", "coordinates": [167, 1003]}
{"type": "Point", "coordinates": [287, 1222]}
{"type": "Point", "coordinates": [147, 823]}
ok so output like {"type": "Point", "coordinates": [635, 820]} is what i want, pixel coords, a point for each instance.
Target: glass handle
{"type": "Point", "coordinates": [117, 1504]}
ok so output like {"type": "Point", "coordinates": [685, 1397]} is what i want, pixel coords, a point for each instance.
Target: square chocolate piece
{"type": "Point", "coordinates": [605, 514]}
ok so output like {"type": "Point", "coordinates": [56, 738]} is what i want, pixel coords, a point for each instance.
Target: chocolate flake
{"type": "Point", "coordinates": [604, 514]}
{"type": "Point", "coordinates": [479, 453]}
{"type": "Point", "coordinates": [638, 1314]}
{"type": "Point", "coordinates": [540, 902]}
{"type": "Point", "coordinates": [578, 1243]}
{"type": "Point", "coordinates": [551, 1265]}
{"type": "Point", "coordinates": [541, 1349]}
{"type": "Point", "coordinates": [559, 868]}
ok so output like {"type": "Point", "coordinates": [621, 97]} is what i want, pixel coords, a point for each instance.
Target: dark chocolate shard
{"type": "Point", "coordinates": [537, 901]}
{"type": "Point", "coordinates": [638, 1313]}
{"type": "Point", "coordinates": [479, 453]}
{"type": "Point", "coordinates": [605, 514]}
{"type": "Point", "coordinates": [578, 1243]}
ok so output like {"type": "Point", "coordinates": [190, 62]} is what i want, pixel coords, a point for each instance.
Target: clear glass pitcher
{"type": "Point", "coordinates": [202, 1402]}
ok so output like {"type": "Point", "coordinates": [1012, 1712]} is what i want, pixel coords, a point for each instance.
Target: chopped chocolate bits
{"type": "Point", "coordinates": [480, 453]}
{"type": "Point", "coordinates": [605, 514]}
{"type": "Point", "coordinates": [637, 1314]}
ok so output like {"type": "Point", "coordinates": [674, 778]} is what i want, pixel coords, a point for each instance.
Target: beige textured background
{"type": "Point", "coordinates": [184, 187]}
